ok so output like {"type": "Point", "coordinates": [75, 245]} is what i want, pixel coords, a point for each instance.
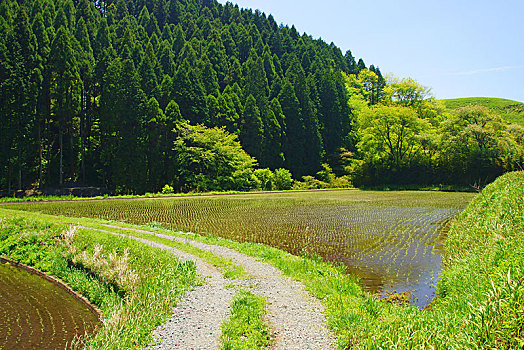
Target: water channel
{"type": "Point", "coordinates": [38, 314]}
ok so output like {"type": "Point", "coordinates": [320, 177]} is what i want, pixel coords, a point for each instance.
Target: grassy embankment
{"type": "Point", "coordinates": [511, 111]}
{"type": "Point", "coordinates": [481, 289]}
{"type": "Point", "coordinates": [245, 329]}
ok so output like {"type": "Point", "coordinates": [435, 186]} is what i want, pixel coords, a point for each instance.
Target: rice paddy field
{"type": "Point", "coordinates": [30, 317]}
{"type": "Point", "coordinates": [391, 240]}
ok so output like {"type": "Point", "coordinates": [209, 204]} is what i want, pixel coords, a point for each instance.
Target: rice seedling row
{"type": "Point", "coordinates": [388, 238]}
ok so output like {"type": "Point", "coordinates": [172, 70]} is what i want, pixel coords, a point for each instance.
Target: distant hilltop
{"type": "Point", "coordinates": [511, 111]}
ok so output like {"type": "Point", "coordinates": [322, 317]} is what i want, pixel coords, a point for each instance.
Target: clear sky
{"type": "Point", "coordinates": [458, 48]}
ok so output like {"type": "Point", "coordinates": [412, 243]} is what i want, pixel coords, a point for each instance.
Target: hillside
{"type": "Point", "coordinates": [511, 111]}
{"type": "Point", "coordinates": [92, 90]}
{"type": "Point", "coordinates": [132, 95]}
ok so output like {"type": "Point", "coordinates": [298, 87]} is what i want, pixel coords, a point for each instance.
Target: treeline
{"type": "Point", "coordinates": [407, 137]}
{"type": "Point", "coordinates": [91, 91]}
{"type": "Point", "coordinates": [134, 95]}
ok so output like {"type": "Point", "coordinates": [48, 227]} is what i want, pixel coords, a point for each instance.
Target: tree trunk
{"type": "Point", "coordinates": [61, 180]}
{"type": "Point", "coordinates": [71, 155]}
{"type": "Point", "coordinates": [9, 177]}
{"type": "Point", "coordinates": [82, 135]}
{"type": "Point", "coordinates": [39, 153]}
{"type": "Point", "coordinates": [19, 169]}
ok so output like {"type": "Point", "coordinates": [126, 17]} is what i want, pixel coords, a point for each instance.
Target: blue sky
{"type": "Point", "coordinates": [458, 48]}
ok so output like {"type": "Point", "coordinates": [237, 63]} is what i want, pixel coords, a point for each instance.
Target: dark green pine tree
{"type": "Point", "coordinates": [217, 55]}
{"type": "Point", "coordinates": [148, 76]}
{"type": "Point", "coordinates": [85, 10]}
{"type": "Point", "coordinates": [269, 67]}
{"type": "Point", "coordinates": [20, 89]}
{"type": "Point", "coordinates": [313, 149]}
{"type": "Point", "coordinates": [188, 89]}
{"type": "Point", "coordinates": [121, 10]}
{"type": "Point", "coordinates": [174, 12]}
{"type": "Point", "coordinates": [351, 64]}
{"type": "Point", "coordinates": [121, 108]}
{"type": "Point", "coordinates": [85, 61]}
{"type": "Point", "coordinates": [65, 81]}
{"type": "Point", "coordinates": [252, 129]}
{"type": "Point", "coordinates": [234, 73]}
{"type": "Point", "coordinates": [5, 120]}
{"type": "Point", "coordinates": [231, 108]}
{"type": "Point", "coordinates": [167, 59]}
{"type": "Point", "coordinates": [165, 91]}
{"type": "Point", "coordinates": [104, 53]}
{"type": "Point", "coordinates": [245, 44]}
{"type": "Point", "coordinates": [209, 77]}
{"type": "Point", "coordinates": [155, 123]}
{"type": "Point", "coordinates": [273, 156]}
{"type": "Point", "coordinates": [179, 40]}
{"type": "Point", "coordinates": [229, 44]}
{"type": "Point", "coordinates": [43, 108]}
{"type": "Point", "coordinates": [334, 113]}
{"type": "Point", "coordinates": [213, 110]}
{"type": "Point", "coordinates": [295, 139]}
{"type": "Point", "coordinates": [256, 81]}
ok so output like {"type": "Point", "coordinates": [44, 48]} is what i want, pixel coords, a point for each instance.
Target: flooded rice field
{"type": "Point", "coordinates": [37, 314]}
{"type": "Point", "coordinates": [391, 240]}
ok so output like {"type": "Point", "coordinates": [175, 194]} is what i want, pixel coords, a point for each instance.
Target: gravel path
{"type": "Point", "coordinates": [296, 319]}
{"type": "Point", "coordinates": [196, 319]}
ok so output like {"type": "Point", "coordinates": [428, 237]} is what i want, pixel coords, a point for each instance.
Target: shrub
{"type": "Point", "coordinates": [282, 179]}
{"type": "Point", "coordinates": [244, 180]}
{"type": "Point", "coordinates": [168, 189]}
{"type": "Point", "coordinates": [266, 178]}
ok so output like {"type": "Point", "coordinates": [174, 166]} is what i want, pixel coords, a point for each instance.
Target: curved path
{"type": "Point", "coordinates": [295, 318]}
{"type": "Point", "coordinates": [196, 319]}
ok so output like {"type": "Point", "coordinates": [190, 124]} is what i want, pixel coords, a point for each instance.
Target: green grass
{"type": "Point", "coordinates": [511, 111]}
{"type": "Point", "coordinates": [245, 329]}
{"type": "Point", "coordinates": [226, 266]}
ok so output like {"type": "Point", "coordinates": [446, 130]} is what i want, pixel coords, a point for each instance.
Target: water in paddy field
{"type": "Point", "coordinates": [36, 314]}
{"type": "Point", "coordinates": [391, 249]}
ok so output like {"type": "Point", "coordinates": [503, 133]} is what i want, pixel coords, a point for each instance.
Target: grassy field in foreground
{"type": "Point", "coordinates": [511, 111]}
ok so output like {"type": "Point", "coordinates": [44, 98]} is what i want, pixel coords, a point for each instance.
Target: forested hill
{"type": "Point", "coordinates": [96, 88]}
{"type": "Point", "coordinates": [134, 95]}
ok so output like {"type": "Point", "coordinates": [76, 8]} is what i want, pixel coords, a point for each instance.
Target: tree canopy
{"type": "Point", "coordinates": [95, 93]}
{"type": "Point", "coordinates": [89, 89]}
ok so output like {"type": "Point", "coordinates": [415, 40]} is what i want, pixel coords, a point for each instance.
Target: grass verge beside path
{"type": "Point", "coordinates": [245, 329]}
{"type": "Point", "coordinates": [122, 277]}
